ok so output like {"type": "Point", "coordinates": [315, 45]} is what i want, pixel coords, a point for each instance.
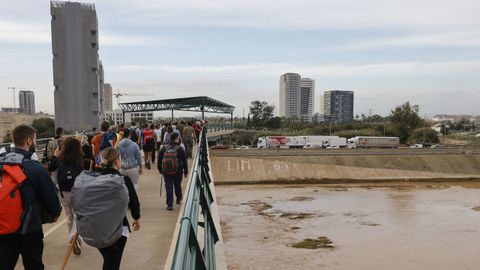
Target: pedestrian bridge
{"type": "Point", "coordinates": [189, 237]}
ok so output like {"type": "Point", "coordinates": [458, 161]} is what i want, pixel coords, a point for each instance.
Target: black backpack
{"type": "Point", "coordinates": [66, 176]}
{"type": "Point", "coordinates": [134, 135]}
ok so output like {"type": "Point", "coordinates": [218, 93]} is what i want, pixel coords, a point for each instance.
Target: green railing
{"type": "Point", "coordinates": [192, 252]}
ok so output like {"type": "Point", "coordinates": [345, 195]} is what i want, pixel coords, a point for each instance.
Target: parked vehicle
{"type": "Point", "coordinates": [373, 142]}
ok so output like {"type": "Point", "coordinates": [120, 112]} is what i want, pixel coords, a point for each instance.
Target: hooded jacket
{"type": "Point", "coordinates": [130, 152]}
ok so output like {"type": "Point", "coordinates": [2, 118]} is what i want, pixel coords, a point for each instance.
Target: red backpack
{"type": "Point", "coordinates": [170, 162]}
{"type": "Point", "coordinates": [147, 135]}
{"type": "Point", "coordinates": [11, 178]}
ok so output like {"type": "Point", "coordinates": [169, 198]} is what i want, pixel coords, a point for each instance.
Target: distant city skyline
{"type": "Point", "coordinates": [426, 52]}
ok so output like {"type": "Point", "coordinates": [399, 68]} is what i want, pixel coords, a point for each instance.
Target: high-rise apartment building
{"type": "Point", "coordinates": [322, 105]}
{"type": "Point", "coordinates": [296, 97]}
{"type": "Point", "coordinates": [107, 97]}
{"type": "Point", "coordinates": [338, 106]}
{"type": "Point", "coordinates": [289, 105]}
{"type": "Point", "coordinates": [101, 94]}
{"type": "Point", "coordinates": [27, 102]}
{"type": "Point", "coordinates": [76, 76]}
{"type": "Point", "coordinates": [307, 95]}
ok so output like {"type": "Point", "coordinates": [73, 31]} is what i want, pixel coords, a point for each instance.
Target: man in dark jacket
{"type": "Point", "coordinates": [173, 180]}
{"type": "Point", "coordinates": [40, 204]}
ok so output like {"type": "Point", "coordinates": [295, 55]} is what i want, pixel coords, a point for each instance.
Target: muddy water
{"type": "Point", "coordinates": [370, 227]}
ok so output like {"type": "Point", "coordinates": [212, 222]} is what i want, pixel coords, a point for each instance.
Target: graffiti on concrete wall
{"type": "Point", "coordinates": [241, 165]}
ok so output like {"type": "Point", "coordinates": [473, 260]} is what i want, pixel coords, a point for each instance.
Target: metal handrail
{"type": "Point", "coordinates": [189, 253]}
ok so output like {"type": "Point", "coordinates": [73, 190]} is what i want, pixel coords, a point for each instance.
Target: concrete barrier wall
{"type": "Point", "coordinates": [343, 168]}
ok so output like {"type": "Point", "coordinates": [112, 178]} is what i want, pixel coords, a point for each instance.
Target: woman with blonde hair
{"type": "Point", "coordinates": [112, 255]}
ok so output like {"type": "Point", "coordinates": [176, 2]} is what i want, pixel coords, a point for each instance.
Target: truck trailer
{"type": "Point", "coordinates": [373, 142]}
{"type": "Point", "coordinates": [300, 141]}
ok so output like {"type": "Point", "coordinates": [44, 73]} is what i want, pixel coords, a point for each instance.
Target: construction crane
{"type": "Point", "coordinates": [13, 91]}
{"type": "Point", "coordinates": [118, 94]}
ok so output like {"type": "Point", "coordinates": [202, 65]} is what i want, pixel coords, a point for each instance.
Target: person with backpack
{"type": "Point", "coordinates": [148, 144]}
{"type": "Point", "coordinates": [28, 199]}
{"type": "Point", "coordinates": [103, 224]}
{"type": "Point", "coordinates": [135, 135]}
{"type": "Point", "coordinates": [69, 161]}
{"type": "Point", "coordinates": [131, 158]}
{"type": "Point", "coordinates": [172, 163]}
{"type": "Point", "coordinates": [97, 141]}
{"type": "Point", "coordinates": [53, 144]}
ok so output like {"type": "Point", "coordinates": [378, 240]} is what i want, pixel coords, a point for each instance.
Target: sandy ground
{"type": "Point", "coordinates": [420, 226]}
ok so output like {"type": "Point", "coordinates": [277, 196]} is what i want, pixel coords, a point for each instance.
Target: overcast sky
{"type": "Point", "coordinates": [387, 51]}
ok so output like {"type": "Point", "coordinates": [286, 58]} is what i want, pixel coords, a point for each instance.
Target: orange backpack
{"type": "Point", "coordinates": [11, 178]}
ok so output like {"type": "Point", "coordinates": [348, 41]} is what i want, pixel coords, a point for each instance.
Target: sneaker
{"type": "Point", "coordinates": [179, 200]}
{"type": "Point", "coordinates": [76, 249]}
{"type": "Point", "coordinates": [169, 208]}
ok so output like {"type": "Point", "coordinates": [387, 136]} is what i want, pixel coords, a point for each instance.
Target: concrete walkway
{"type": "Point", "coordinates": [146, 249]}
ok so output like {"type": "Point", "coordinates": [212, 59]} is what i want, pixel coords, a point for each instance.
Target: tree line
{"type": "Point", "coordinates": [403, 122]}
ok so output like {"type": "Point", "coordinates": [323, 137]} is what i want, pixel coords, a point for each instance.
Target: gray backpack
{"type": "Point", "coordinates": [100, 203]}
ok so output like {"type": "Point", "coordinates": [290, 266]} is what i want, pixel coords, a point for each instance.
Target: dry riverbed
{"type": "Point", "coordinates": [405, 226]}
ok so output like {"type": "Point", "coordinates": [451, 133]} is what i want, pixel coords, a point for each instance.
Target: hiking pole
{"type": "Point", "coordinates": [69, 251]}
{"type": "Point", "coordinates": [161, 184]}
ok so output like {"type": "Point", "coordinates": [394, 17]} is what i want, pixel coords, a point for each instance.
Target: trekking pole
{"type": "Point", "coordinates": [161, 184]}
{"type": "Point", "coordinates": [69, 251]}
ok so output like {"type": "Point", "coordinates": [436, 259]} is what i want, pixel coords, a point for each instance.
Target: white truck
{"type": "Point", "coordinates": [300, 141]}
{"type": "Point", "coordinates": [373, 142]}
{"type": "Point", "coordinates": [272, 142]}
{"type": "Point", "coordinates": [335, 142]}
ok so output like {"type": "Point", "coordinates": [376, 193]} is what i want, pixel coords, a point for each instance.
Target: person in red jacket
{"type": "Point", "coordinates": [148, 141]}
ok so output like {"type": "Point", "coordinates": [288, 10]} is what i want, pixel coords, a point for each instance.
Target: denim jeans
{"type": "Point", "coordinates": [173, 183]}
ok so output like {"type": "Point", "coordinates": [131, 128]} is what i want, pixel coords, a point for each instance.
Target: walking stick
{"type": "Point", "coordinates": [69, 252]}
{"type": "Point", "coordinates": [161, 184]}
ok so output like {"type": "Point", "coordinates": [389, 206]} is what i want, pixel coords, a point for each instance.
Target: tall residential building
{"type": "Point", "coordinates": [322, 104]}
{"type": "Point", "coordinates": [338, 106]}
{"type": "Point", "coordinates": [27, 102]}
{"type": "Point", "coordinates": [76, 75]}
{"type": "Point", "coordinates": [290, 95]}
{"type": "Point", "coordinates": [307, 95]}
{"type": "Point", "coordinates": [101, 95]}
{"type": "Point", "coordinates": [107, 97]}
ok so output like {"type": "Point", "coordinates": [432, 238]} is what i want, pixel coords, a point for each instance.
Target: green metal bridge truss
{"type": "Point", "coordinates": [194, 104]}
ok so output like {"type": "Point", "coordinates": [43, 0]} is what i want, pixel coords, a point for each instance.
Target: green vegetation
{"type": "Point", "coordinates": [476, 141]}
{"type": "Point", "coordinates": [403, 122]}
{"type": "Point", "coordinates": [405, 119]}
{"type": "Point", "coordinates": [424, 134]}
{"type": "Point", "coordinates": [45, 127]}
{"type": "Point", "coordinates": [262, 115]}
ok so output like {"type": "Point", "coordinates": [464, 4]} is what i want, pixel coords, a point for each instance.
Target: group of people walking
{"type": "Point", "coordinates": [104, 156]}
